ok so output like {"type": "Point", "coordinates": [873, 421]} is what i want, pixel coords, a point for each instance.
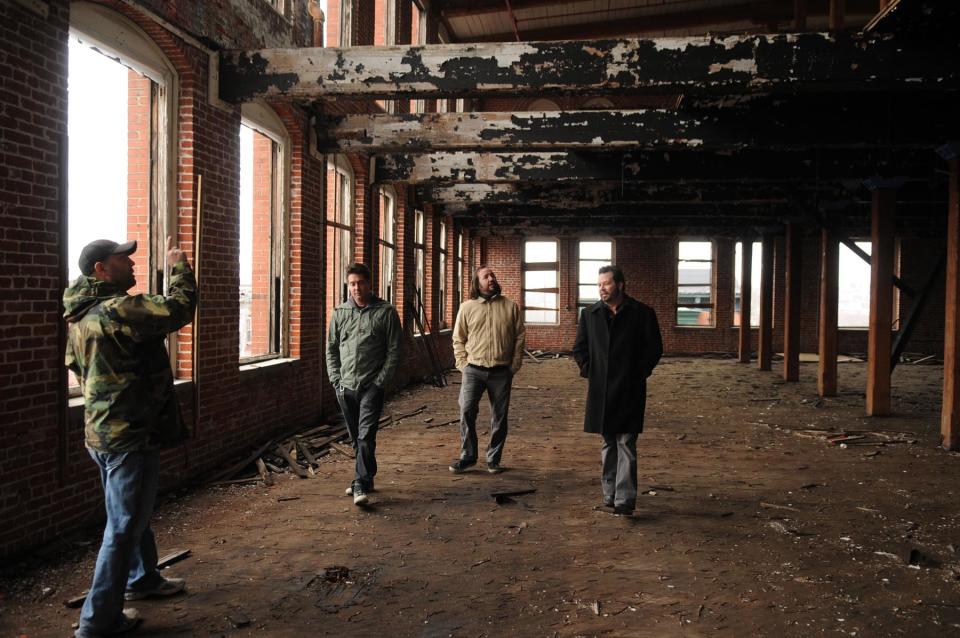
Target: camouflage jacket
{"type": "Point", "coordinates": [115, 346]}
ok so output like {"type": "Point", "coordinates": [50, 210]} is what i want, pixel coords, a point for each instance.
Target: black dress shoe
{"type": "Point", "coordinates": [607, 503]}
{"type": "Point", "coordinates": [623, 510]}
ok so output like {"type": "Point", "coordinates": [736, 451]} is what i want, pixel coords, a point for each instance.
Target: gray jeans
{"type": "Point", "coordinates": [497, 383]}
{"type": "Point", "coordinates": [618, 456]}
{"type": "Point", "coordinates": [361, 412]}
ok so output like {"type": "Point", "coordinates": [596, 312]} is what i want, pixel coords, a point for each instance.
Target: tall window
{"type": "Point", "coordinates": [388, 242]}
{"type": "Point", "coordinates": [755, 265]}
{"type": "Point", "coordinates": [442, 276]}
{"type": "Point", "coordinates": [339, 229]}
{"type": "Point", "coordinates": [263, 182]}
{"type": "Point", "coordinates": [346, 23]}
{"type": "Point", "coordinates": [458, 279]}
{"type": "Point", "coordinates": [419, 36]}
{"type": "Point", "coordinates": [695, 283]}
{"type": "Point", "coordinates": [853, 288]}
{"type": "Point", "coordinates": [541, 291]}
{"type": "Point", "coordinates": [121, 123]}
{"type": "Point", "coordinates": [420, 260]}
{"type": "Point", "coordinates": [592, 255]}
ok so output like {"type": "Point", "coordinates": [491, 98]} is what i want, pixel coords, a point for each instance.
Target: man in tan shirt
{"type": "Point", "coordinates": [488, 342]}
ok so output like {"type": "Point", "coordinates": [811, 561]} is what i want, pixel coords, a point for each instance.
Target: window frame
{"type": "Point", "coordinates": [757, 264]}
{"type": "Point", "coordinates": [346, 23]}
{"type": "Point", "coordinates": [339, 167]}
{"type": "Point", "coordinates": [539, 266]}
{"type": "Point", "coordinates": [116, 36]}
{"type": "Point", "coordinates": [443, 262]}
{"type": "Point", "coordinates": [264, 120]}
{"type": "Point", "coordinates": [387, 292]}
{"type": "Point", "coordinates": [712, 284]}
{"type": "Point", "coordinates": [581, 303]}
{"type": "Point", "coordinates": [458, 272]}
{"type": "Point", "coordinates": [420, 264]}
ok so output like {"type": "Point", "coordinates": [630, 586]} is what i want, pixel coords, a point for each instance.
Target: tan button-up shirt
{"type": "Point", "coordinates": [489, 333]}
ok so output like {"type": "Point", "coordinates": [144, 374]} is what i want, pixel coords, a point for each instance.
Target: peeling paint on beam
{"type": "Point", "coordinates": [733, 64]}
{"type": "Point", "coordinates": [495, 167]}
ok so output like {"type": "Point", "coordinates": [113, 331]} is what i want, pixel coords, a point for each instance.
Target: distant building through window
{"type": "Point", "coordinates": [695, 297]}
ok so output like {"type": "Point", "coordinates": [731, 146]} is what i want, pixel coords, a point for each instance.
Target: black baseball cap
{"type": "Point", "coordinates": [100, 249]}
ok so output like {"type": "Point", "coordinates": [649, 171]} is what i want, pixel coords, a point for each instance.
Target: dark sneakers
{"type": "Point", "coordinates": [622, 510]}
{"type": "Point", "coordinates": [495, 468]}
{"type": "Point", "coordinates": [130, 621]}
{"type": "Point", "coordinates": [462, 465]}
{"type": "Point", "coordinates": [349, 490]}
{"type": "Point", "coordinates": [166, 587]}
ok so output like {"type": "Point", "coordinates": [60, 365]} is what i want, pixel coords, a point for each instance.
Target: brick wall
{"type": "Point", "coordinates": [650, 268]}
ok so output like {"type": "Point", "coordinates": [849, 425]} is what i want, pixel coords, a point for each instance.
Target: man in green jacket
{"type": "Point", "coordinates": [115, 347]}
{"type": "Point", "coordinates": [363, 349]}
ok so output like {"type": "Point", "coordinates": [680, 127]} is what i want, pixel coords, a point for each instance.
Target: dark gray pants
{"type": "Point", "coordinates": [361, 411]}
{"type": "Point", "coordinates": [497, 382]}
{"type": "Point", "coordinates": [618, 456]}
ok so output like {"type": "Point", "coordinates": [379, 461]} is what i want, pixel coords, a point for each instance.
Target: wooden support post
{"type": "Point", "coordinates": [838, 14]}
{"type": "Point", "coordinates": [881, 296]}
{"type": "Point", "coordinates": [746, 276]}
{"type": "Point", "coordinates": [791, 320]}
{"type": "Point", "coordinates": [799, 15]}
{"type": "Point", "coordinates": [829, 276]}
{"type": "Point", "coordinates": [765, 336]}
{"type": "Point", "coordinates": [950, 411]}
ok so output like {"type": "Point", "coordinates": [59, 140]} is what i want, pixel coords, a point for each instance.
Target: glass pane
{"type": "Point", "coordinates": [694, 316]}
{"type": "Point", "coordinates": [540, 251]}
{"type": "Point", "coordinates": [345, 200]}
{"type": "Point", "coordinates": [696, 250]}
{"type": "Point", "coordinates": [695, 273]}
{"type": "Point", "coordinates": [596, 250]}
{"type": "Point", "coordinates": [756, 264]}
{"type": "Point", "coordinates": [540, 279]}
{"type": "Point", "coordinates": [588, 293]}
{"type": "Point", "coordinates": [694, 294]}
{"type": "Point", "coordinates": [540, 299]}
{"type": "Point", "coordinates": [98, 156]}
{"type": "Point", "coordinates": [853, 288]}
{"type": "Point", "coordinates": [443, 236]}
{"type": "Point", "coordinates": [540, 316]}
{"type": "Point", "coordinates": [418, 227]}
{"type": "Point", "coordinates": [589, 271]}
{"type": "Point", "coordinates": [256, 242]}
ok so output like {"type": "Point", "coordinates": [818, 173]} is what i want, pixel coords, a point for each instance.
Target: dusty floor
{"type": "Point", "coordinates": [757, 526]}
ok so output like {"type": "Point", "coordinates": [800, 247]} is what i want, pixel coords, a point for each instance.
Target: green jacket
{"type": "Point", "coordinates": [115, 346]}
{"type": "Point", "coordinates": [363, 344]}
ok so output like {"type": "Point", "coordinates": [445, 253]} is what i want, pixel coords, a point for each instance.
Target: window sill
{"type": "Point", "coordinates": [276, 362]}
{"type": "Point", "coordinates": [695, 327]}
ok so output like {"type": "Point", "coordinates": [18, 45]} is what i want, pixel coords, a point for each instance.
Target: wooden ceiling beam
{"type": "Point", "coordinates": [733, 64]}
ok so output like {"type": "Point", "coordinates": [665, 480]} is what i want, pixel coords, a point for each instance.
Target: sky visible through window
{"type": "Point", "coordinates": [97, 161]}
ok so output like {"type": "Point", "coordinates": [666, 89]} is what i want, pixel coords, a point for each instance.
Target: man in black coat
{"type": "Point", "coordinates": [618, 344]}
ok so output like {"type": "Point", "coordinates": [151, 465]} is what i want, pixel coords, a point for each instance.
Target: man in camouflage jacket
{"type": "Point", "coordinates": [363, 349]}
{"type": "Point", "coordinates": [115, 347]}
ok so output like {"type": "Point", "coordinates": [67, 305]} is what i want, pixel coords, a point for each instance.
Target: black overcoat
{"type": "Point", "coordinates": [617, 356]}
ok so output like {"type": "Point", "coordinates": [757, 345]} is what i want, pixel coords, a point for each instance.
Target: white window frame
{"type": "Point", "coordinates": [583, 302]}
{"type": "Point", "coordinates": [340, 167]}
{"type": "Point", "coordinates": [387, 244]}
{"type": "Point", "coordinates": [545, 266]}
{"type": "Point", "coordinates": [712, 284]}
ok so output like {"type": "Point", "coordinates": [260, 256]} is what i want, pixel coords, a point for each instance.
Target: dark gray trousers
{"type": "Point", "coordinates": [618, 478]}
{"type": "Point", "coordinates": [497, 383]}
{"type": "Point", "coordinates": [361, 410]}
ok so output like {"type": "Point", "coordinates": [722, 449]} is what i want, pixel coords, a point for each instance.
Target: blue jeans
{"type": "Point", "coordinates": [128, 554]}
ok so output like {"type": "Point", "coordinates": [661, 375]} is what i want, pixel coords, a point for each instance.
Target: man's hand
{"type": "Point", "coordinates": [174, 254]}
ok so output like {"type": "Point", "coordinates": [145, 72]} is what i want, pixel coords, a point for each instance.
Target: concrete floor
{"type": "Point", "coordinates": [756, 525]}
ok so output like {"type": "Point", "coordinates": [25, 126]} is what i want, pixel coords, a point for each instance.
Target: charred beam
{"type": "Point", "coordinates": [496, 167]}
{"type": "Point", "coordinates": [743, 166]}
{"type": "Point", "coordinates": [734, 64]}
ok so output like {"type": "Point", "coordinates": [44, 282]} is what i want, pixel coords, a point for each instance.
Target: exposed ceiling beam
{"type": "Point", "coordinates": [803, 122]}
{"type": "Point", "coordinates": [740, 166]}
{"type": "Point", "coordinates": [734, 64]}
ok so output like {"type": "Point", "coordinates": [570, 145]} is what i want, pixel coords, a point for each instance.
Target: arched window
{"type": "Point", "coordinates": [264, 195]}
{"type": "Point", "coordinates": [122, 130]}
{"type": "Point", "coordinates": [543, 105]}
{"type": "Point", "coordinates": [597, 103]}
